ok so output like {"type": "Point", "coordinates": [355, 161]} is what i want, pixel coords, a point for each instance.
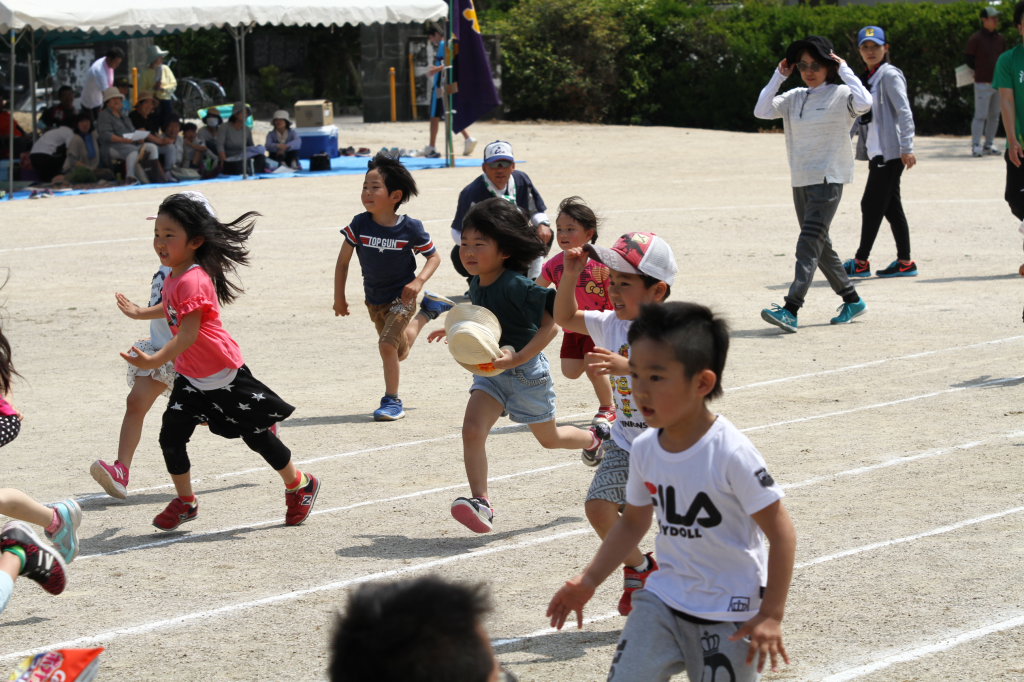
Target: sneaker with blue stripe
{"type": "Point", "coordinates": [780, 317]}
{"type": "Point", "coordinates": [434, 305]}
{"type": "Point", "coordinates": [899, 269]}
{"type": "Point", "coordinates": [856, 268]}
{"type": "Point", "coordinates": [848, 311]}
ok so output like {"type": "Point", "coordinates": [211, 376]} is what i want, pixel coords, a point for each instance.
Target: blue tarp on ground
{"type": "Point", "coordinates": [343, 165]}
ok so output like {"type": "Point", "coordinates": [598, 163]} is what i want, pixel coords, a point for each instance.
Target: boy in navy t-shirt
{"type": "Point", "coordinates": [387, 244]}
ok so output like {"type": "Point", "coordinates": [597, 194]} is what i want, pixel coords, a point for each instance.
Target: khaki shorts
{"type": "Point", "coordinates": [391, 319]}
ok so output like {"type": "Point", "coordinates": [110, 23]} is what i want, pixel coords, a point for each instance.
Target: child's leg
{"type": "Point", "coordinates": [602, 515]}
{"type": "Point", "coordinates": [175, 432]}
{"type": "Point", "coordinates": [18, 505]}
{"type": "Point", "coordinates": [552, 436]}
{"type": "Point", "coordinates": [816, 205]}
{"type": "Point", "coordinates": [142, 396]}
{"type": "Point", "coordinates": [573, 368]}
{"type": "Point", "coordinates": [649, 648]}
{"type": "Point", "coordinates": [275, 452]}
{"type": "Point", "coordinates": [602, 387]}
{"type": "Point", "coordinates": [412, 331]}
{"type": "Point", "coordinates": [389, 356]}
{"type": "Point", "coordinates": [481, 414]}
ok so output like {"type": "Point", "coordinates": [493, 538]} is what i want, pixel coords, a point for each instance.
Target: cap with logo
{"type": "Point", "coordinates": [498, 151]}
{"type": "Point", "coordinates": [871, 34]}
{"type": "Point", "coordinates": [638, 253]}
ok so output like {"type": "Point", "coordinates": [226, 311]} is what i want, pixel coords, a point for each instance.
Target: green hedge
{"type": "Point", "coordinates": [666, 63]}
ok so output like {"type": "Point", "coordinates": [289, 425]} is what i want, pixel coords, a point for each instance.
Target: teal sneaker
{"type": "Point", "coordinates": [66, 538]}
{"type": "Point", "coordinates": [848, 311]}
{"type": "Point", "coordinates": [898, 269]}
{"type": "Point", "coordinates": [780, 317]}
{"type": "Point", "coordinates": [856, 268]}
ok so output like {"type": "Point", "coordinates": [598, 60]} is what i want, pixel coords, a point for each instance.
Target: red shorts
{"type": "Point", "coordinates": [576, 346]}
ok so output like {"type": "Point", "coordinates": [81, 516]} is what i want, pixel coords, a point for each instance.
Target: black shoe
{"type": "Point", "coordinates": [603, 432]}
{"type": "Point", "coordinates": [42, 563]}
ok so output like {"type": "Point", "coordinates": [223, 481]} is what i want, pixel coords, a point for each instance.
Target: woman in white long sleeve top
{"type": "Point", "coordinates": [817, 121]}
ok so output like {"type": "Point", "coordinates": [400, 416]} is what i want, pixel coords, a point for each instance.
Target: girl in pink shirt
{"type": "Point", "coordinates": [214, 386]}
{"type": "Point", "coordinates": [576, 225]}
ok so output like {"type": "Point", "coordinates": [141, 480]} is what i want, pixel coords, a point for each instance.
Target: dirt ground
{"type": "Point", "coordinates": [898, 436]}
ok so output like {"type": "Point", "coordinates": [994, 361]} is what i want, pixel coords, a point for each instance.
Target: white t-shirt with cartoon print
{"type": "Point", "coordinates": [712, 561]}
{"type": "Point", "coordinates": [610, 332]}
{"type": "Point", "coordinates": [159, 331]}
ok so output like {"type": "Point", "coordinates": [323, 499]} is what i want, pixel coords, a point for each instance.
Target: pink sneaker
{"type": "Point", "coordinates": [113, 478]}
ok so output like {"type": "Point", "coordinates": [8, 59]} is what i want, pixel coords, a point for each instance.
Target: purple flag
{"type": "Point", "coordinates": [477, 94]}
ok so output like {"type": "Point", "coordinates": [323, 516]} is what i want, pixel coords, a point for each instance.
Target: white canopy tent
{"type": "Point", "coordinates": [24, 17]}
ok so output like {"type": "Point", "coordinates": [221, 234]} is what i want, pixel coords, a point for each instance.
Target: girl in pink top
{"type": "Point", "coordinates": [576, 225]}
{"type": "Point", "coordinates": [214, 386]}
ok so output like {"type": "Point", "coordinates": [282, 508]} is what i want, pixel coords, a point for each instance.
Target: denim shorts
{"type": "Point", "coordinates": [526, 392]}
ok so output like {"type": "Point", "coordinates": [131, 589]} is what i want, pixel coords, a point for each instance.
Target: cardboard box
{"type": "Point", "coordinates": [313, 113]}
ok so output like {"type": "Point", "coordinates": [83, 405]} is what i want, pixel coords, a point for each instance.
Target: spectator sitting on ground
{"type": "Point", "coordinates": [207, 135]}
{"type": "Point", "coordinates": [422, 630]}
{"type": "Point", "coordinates": [158, 79]}
{"type": "Point", "coordinates": [50, 151]}
{"type": "Point", "coordinates": [83, 160]}
{"type": "Point", "coordinates": [234, 144]}
{"type": "Point", "coordinates": [99, 79]}
{"type": "Point", "coordinates": [283, 143]}
{"type": "Point", "coordinates": [141, 119]}
{"type": "Point", "coordinates": [114, 130]}
{"type": "Point", "coordinates": [190, 150]}
{"type": "Point", "coordinates": [982, 51]}
{"type": "Point", "coordinates": [22, 142]}
{"type": "Point", "coordinates": [63, 113]}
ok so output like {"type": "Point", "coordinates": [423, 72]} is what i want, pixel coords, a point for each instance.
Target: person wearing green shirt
{"type": "Point", "coordinates": [1009, 80]}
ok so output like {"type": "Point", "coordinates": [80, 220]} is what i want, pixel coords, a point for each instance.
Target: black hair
{"type": "Point", "coordinates": [435, 27]}
{"type": "Point", "coordinates": [222, 250]}
{"type": "Point", "coordinates": [115, 53]}
{"type": "Point", "coordinates": [395, 176]}
{"type": "Point", "coordinates": [508, 226]}
{"type": "Point", "coordinates": [189, 127]}
{"type": "Point", "coordinates": [173, 118]}
{"type": "Point", "coordinates": [7, 371]}
{"type": "Point", "coordinates": [698, 338]}
{"type": "Point", "coordinates": [1018, 13]}
{"type": "Point", "coordinates": [830, 66]}
{"type": "Point", "coordinates": [577, 209]}
{"type": "Point", "coordinates": [85, 115]}
{"type": "Point", "coordinates": [422, 630]}
{"type": "Point", "coordinates": [61, 89]}
{"type": "Point", "coordinates": [651, 281]}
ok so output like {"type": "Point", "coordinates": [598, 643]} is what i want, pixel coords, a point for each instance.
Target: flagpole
{"type": "Point", "coordinates": [449, 151]}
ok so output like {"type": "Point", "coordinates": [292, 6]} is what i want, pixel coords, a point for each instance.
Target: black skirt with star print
{"type": "Point", "coordinates": [245, 406]}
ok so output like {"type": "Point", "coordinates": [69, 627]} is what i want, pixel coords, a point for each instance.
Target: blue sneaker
{"type": "Point", "coordinates": [898, 269]}
{"type": "Point", "coordinates": [855, 268]}
{"type": "Point", "coordinates": [780, 317]}
{"type": "Point", "coordinates": [434, 305]}
{"type": "Point", "coordinates": [848, 311]}
{"type": "Point", "coordinates": [66, 539]}
{"type": "Point", "coordinates": [390, 409]}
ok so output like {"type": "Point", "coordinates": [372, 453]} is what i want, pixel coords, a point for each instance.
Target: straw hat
{"type": "Point", "coordinates": [111, 93]}
{"type": "Point", "coordinates": [473, 334]}
{"type": "Point", "coordinates": [144, 95]}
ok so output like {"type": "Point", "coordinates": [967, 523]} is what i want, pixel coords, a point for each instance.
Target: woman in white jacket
{"type": "Point", "coordinates": [886, 141]}
{"type": "Point", "coordinates": [817, 121]}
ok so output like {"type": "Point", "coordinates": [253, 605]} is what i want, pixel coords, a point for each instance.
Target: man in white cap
{"type": "Point", "coordinates": [99, 78]}
{"type": "Point", "coordinates": [501, 179]}
{"type": "Point", "coordinates": [158, 79]}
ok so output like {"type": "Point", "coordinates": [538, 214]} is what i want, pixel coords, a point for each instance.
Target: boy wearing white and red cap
{"type": "Point", "coordinates": [642, 271]}
{"type": "Point", "coordinates": [501, 179]}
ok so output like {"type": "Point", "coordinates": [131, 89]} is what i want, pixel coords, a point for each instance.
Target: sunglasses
{"type": "Point", "coordinates": [813, 67]}
{"type": "Point", "coordinates": [499, 164]}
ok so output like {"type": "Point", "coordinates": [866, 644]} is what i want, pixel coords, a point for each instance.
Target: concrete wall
{"type": "Point", "coordinates": [383, 47]}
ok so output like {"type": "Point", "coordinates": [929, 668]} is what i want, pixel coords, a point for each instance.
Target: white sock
{"type": "Point", "coordinates": [644, 566]}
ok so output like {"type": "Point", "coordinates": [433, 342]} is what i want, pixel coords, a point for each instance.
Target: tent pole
{"type": "Point", "coordinates": [449, 151]}
{"type": "Point", "coordinates": [32, 78]}
{"type": "Point", "coordinates": [10, 132]}
{"type": "Point", "coordinates": [245, 113]}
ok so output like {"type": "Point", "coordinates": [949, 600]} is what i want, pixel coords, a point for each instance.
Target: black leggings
{"type": "Point", "coordinates": [235, 167]}
{"type": "Point", "coordinates": [288, 158]}
{"type": "Point", "coordinates": [10, 427]}
{"type": "Point", "coordinates": [882, 200]}
{"type": "Point", "coordinates": [1014, 193]}
{"type": "Point", "coordinates": [47, 166]}
{"type": "Point", "coordinates": [178, 427]}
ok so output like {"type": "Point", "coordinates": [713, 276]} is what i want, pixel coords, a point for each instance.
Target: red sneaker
{"type": "Point", "coordinates": [176, 513]}
{"type": "Point", "coordinates": [605, 415]}
{"type": "Point", "coordinates": [300, 501]}
{"type": "Point", "coordinates": [632, 582]}
{"type": "Point", "coordinates": [112, 478]}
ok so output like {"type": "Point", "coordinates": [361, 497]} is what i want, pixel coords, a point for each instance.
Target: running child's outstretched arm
{"type": "Point", "coordinates": [623, 538]}
{"type": "Point", "coordinates": [567, 313]}
{"type": "Point", "coordinates": [545, 335]}
{"type": "Point", "coordinates": [188, 332]}
{"type": "Point", "coordinates": [765, 629]}
{"type": "Point", "coordinates": [341, 276]}
{"type": "Point", "coordinates": [153, 312]}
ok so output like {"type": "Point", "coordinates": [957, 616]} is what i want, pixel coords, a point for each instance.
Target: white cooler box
{"type": "Point", "coordinates": [319, 139]}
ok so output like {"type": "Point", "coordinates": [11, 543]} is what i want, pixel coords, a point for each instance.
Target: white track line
{"type": "Point", "coordinates": [551, 631]}
{"type": "Point", "coordinates": [102, 638]}
{"type": "Point", "coordinates": [925, 650]}
{"type": "Point", "coordinates": [256, 524]}
{"type": "Point", "coordinates": [876, 406]}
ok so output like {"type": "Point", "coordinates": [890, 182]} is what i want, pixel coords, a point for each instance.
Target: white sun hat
{"type": "Point", "coordinates": [473, 333]}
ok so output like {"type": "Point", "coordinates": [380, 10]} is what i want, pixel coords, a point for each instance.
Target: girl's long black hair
{"type": "Point", "coordinates": [7, 371]}
{"type": "Point", "coordinates": [223, 248]}
{"type": "Point", "coordinates": [509, 227]}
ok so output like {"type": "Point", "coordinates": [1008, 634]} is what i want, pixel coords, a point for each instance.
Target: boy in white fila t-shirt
{"type": "Point", "coordinates": [714, 608]}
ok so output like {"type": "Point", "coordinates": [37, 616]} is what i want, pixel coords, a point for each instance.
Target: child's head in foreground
{"type": "Point", "coordinates": [677, 356]}
{"type": "Point", "coordinates": [387, 185]}
{"type": "Point", "coordinates": [496, 234]}
{"type": "Point", "coordinates": [422, 630]}
{"type": "Point", "coordinates": [642, 271]}
{"type": "Point", "coordinates": [576, 224]}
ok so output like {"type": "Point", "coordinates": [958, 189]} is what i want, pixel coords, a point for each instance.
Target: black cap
{"type": "Point", "coordinates": [819, 44]}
